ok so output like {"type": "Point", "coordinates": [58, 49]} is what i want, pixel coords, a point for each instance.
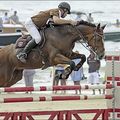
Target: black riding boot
{"type": "Point", "coordinates": [23, 54]}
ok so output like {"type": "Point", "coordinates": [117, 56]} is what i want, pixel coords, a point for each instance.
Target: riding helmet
{"type": "Point", "coordinates": [65, 5]}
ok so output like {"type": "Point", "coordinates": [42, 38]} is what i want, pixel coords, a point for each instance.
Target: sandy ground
{"type": "Point", "coordinates": [50, 105]}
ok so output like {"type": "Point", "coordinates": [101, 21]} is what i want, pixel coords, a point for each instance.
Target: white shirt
{"type": "Point", "coordinates": [5, 19]}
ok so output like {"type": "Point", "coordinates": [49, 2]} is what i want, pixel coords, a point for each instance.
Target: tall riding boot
{"type": "Point", "coordinates": [23, 54]}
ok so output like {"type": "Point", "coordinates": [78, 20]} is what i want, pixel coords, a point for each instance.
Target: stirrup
{"type": "Point", "coordinates": [22, 57]}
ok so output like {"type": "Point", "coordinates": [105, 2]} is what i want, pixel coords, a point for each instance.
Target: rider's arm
{"type": "Point", "coordinates": [55, 15]}
{"type": "Point", "coordinates": [57, 20]}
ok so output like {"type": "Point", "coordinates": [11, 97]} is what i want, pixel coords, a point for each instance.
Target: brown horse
{"type": "Point", "coordinates": [60, 41]}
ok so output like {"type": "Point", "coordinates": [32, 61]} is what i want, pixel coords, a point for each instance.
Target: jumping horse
{"type": "Point", "coordinates": [57, 49]}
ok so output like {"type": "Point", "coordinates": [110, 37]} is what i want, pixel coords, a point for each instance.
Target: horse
{"type": "Point", "coordinates": [57, 49]}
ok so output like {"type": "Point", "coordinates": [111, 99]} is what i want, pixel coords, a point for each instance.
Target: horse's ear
{"type": "Point", "coordinates": [103, 27]}
{"type": "Point", "coordinates": [98, 26]}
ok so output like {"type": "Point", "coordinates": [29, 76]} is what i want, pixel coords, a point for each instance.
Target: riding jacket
{"type": "Point", "coordinates": [42, 17]}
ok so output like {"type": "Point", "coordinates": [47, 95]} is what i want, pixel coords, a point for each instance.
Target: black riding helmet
{"type": "Point", "coordinates": [65, 5]}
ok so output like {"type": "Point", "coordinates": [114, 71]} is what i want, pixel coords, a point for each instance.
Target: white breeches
{"type": "Point", "coordinates": [32, 29]}
{"type": "Point", "coordinates": [93, 78]}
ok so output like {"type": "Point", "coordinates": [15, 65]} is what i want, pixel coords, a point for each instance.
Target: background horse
{"type": "Point", "coordinates": [60, 41]}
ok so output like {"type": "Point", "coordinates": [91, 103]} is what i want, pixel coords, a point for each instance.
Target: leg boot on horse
{"type": "Point", "coordinates": [68, 70]}
{"type": "Point", "coordinates": [23, 54]}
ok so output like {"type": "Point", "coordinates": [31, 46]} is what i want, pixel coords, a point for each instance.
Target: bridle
{"type": "Point", "coordinates": [86, 42]}
{"type": "Point", "coordinates": [94, 37]}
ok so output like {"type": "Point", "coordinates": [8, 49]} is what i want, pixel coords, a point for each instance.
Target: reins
{"type": "Point", "coordinates": [86, 43]}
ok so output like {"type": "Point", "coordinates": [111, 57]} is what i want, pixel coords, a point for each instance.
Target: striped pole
{"type": "Point", "coordinates": [113, 77]}
{"type": "Point", "coordinates": [54, 98]}
{"type": "Point", "coordinates": [52, 88]}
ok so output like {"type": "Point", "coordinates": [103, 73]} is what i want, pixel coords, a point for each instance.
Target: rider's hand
{"type": "Point", "coordinates": [73, 22]}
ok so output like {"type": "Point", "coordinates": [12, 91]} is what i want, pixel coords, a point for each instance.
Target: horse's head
{"type": "Point", "coordinates": [96, 41]}
{"type": "Point", "coordinates": [94, 37]}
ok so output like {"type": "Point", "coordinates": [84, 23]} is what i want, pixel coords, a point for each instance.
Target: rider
{"type": "Point", "coordinates": [39, 21]}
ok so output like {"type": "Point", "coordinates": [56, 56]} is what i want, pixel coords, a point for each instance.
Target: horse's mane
{"type": "Point", "coordinates": [82, 22]}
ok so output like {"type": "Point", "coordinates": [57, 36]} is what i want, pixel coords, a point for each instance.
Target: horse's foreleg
{"type": "Point", "coordinates": [61, 59]}
{"type": "Point", "coordinates": [78, 56]}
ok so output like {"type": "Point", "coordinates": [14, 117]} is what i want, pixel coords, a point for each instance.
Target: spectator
{"type": "Point", "coordinates": [90, 18]}
{"type": "Point", "coordinates": [79, 17]}
{"type": "Point", "coordinates": [6, 19]}
{"type": "Point", "coordinates": [77, 76]}
{"type": "Point", "coordinates": [28, 75]}
{"type": "Point", "coordinates": [59, 69]}
{"type": "Point", "coordinates": [117, 22]}
{"type": "Point", "coordinates": [94, 66]}
{"type": "Point", "coordinates": [14, 19]}
{"type": "Point", "coordinates": [84, 77]}
{"type": "Point", "coordinates": [1, 22]}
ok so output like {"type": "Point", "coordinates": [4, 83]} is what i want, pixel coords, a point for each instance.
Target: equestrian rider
{"type": "Point", "coordinates": [39, 21]}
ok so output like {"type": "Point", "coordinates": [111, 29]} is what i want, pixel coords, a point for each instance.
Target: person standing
{"type": "Point", "coordinates": [94, 66]}
{"type": "Point", "coordinates": [90, 18]}
{"type": "Point", "coordinates": [58, 70]}
{"type": "Point", "coordinates": [5, 18]}
{"type": "Point", "coordinates": [1, 22]}
{"type": "Point", "coordinates": [28, 75]}
{"type": "Point", "coordinates": [14, 19]}
{"type": "Point", "coordinates": [77, 76]}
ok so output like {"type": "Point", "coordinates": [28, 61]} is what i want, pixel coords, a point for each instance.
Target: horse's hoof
{"type": "Point", "coordinates": [66, 73]}
{"type": "Point", "coordinates": [45, 66]}
{"type": "Point", "coordinates": [64, 76]}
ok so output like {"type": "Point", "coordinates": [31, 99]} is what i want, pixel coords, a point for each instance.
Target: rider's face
{"type": "Point", "coordinates": [64, 13]}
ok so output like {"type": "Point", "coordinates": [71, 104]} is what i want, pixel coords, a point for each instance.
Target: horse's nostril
{"type": "Point", "coordinates": [100, 57]}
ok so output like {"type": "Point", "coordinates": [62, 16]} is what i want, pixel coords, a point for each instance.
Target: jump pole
{"type": "Point", "coordinates": [52, 88]}
{"type": "Point", "coordinates": [54, 98]}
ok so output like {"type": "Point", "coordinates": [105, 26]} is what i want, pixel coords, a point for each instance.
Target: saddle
{"type": "Point", "coordinates": [22, 41]}
{"type": "Point", "coordinates": [25, 38]}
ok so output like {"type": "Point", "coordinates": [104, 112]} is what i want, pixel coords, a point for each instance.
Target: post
{"type": "Point", "coordinates": [113, 77]}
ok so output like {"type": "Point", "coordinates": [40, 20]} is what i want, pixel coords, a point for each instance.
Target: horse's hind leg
{"type": "Point", "coordinates": [61, 59]}
{"type": "Point", "coordinates": [78, 56]}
